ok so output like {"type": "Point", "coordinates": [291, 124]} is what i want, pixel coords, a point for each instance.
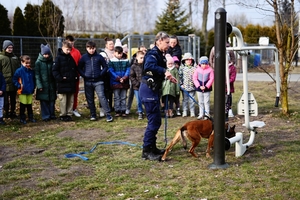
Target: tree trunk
{"type": "Point", "coordinates": [204, 23]}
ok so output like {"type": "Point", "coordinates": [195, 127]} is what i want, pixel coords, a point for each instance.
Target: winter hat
{"type": "Point", "coordinates": [169, 58]}
{"type": "Point", "coordinates": [187, 56]}
{"type": "Point", "coordinates": [125, 48]}
{"type": "Point", "coordinates": [7, 43]}
{"type": "Point", "coordinates": [175, 59]}
{"type": "Point", "coordinates": [45, 49]}
{"type": "Point", "coordinates": [203, 60]}
{"type": "Point", "coordinates": [118, 43]}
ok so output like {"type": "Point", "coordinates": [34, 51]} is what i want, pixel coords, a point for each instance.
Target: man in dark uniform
{"type": "Point", "coordinates": [154, 73]}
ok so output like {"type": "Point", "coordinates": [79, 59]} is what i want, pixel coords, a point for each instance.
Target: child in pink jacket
{"type": "Point", "coordinates": [203, 79]}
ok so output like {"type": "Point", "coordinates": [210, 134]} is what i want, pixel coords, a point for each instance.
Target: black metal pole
{"type": "Point", "coordinates": [219, 89]}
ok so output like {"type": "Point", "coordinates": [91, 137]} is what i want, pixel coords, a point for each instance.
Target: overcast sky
{"type": "Point", "coordinates": [255, 16]}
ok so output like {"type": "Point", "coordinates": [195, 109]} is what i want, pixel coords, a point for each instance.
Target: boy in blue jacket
{"type": "Point", "coordinates": [93, 68]}
{"type": "Point", "coordinates": [24, 80]}
{"type": "Point", "coordinates": [119, 69]}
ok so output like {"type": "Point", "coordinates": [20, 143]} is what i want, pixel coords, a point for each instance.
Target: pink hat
{"type": "Point", "coordinates": [175, 59]}
{"type": "Point", "coordinates": [169, 58]}
{"type": "Point", "coordinates": [118, 43]}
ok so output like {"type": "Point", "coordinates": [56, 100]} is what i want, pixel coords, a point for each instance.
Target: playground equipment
{"type": "Point", "coordinates": [247, 105]}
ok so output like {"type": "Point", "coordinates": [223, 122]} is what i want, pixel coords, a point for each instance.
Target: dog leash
{"type": "Point", "coordinates": [80, 155]}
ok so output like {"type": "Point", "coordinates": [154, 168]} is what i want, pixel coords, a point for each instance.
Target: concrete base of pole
{"type": "Point", "coordinates": [215, 166]}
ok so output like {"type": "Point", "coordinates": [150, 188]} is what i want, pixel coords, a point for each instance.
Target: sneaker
{"type": "Point", "coordinates": [93, 119]}
{"type": "Point", "coordinates": [23, 121]}
{"type": "Point", "coordinates": [200, 117]}
{"type": "Point", "coordinates": [101, 112]}
{"type": "Point", "coordinates": [109, 118]}
{"type": "Point", "coordinates": [76, 113]}
{"type": "Point", "coordinates": [230, 113]}
{"type": "Point", "coordinates": [32, 120]}
{"type": "Point", "coordinates": [193, 114]}
{"type": "Point", "coordinates": [140, 116]}
{"type": "Point", "coordinates": [68, 118]}
{"type": "Point", "coordinates": [184, 114]}
{"type": "Point", "coordinates": [127, 112]}
{"type": "Point", "coordinates": [178, 112]}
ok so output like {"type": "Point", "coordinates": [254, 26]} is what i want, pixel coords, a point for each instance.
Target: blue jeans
{"type": "Point", "coordinates": [47, 109]}
{"type": "Point", "coordinates": [120, 96]}
{"type": "Point", "coordinates": [138, 101]}
{"type": "Point", "coordinates": [1, 106]}
{"type": "Point", "coordinates": [151, 101]}
{"type": "Point", "coordinates": [90, 88]}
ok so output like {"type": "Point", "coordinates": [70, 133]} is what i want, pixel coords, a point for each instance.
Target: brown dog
{"type": "Point", "coordinates": [194, 131]}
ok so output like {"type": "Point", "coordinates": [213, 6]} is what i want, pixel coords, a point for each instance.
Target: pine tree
{"type": "Point", "coordinates": [31, 16]}
{"type": "Point", "coordinates": [4, 22]}
{"type": "Point", "coordinates": [19, 26]}
{"type": "Point", "coordinates": [173, 20]}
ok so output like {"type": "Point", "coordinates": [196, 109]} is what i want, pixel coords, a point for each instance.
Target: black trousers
{"type": "Point", "coordinates": [10, 102]}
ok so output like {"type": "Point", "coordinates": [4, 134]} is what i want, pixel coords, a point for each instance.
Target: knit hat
{"type": "Point", "coordinates": [118, 43]}
{"type": "Point", "coordinates": [45, 49]}
{"type": "Point", "coordinates": [7, 43]}
{"type": "Point", "coordinates": [169, 58]}
{"type": "Point", "coordinates": [175, 59]}
{"type": "Point", "coordinates": [203, 60]}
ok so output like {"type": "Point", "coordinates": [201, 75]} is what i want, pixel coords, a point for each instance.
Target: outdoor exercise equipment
{"type": "Point", "coordinates": [247, 104]}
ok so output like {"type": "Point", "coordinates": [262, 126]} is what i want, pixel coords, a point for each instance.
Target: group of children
{"type": "Point", "coordinates": [59, 79]}
{"type": "Point", "coordinates": [193, 79]}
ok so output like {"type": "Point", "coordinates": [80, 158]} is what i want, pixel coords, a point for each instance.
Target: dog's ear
{"type": "Point", "coordinates": [233, 127]}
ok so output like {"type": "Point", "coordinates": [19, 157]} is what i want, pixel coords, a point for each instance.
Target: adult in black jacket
{"type": "Point", "coordinates": [65, 73]}
{"type": "Point", "coordinates": [175, 48]}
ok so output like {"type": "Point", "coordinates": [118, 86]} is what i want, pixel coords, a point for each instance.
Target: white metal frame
{"type": "Point", "coordinates": [243, 51]}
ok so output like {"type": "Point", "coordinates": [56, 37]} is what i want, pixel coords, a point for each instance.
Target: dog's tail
{"type": "Point", "coordinates": [184, 143]}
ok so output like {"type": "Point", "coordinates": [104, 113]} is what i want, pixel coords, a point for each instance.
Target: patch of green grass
{"type": "Point", "coordinates": [35, 167]}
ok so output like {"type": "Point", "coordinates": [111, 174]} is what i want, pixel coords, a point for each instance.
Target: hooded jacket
{"type": "Point", "coordinates": [24, 80]}
{"type": "Point", "coordinates": [9, 63]}
{"type": "Point", "coordinates": [44, 79]}
{"type": "Point", "coordinates": [64, 66]}
{"type": "Point", "coordinates": [203, 77]}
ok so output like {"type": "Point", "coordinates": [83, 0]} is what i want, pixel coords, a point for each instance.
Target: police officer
{"type": "Point", "coordinates": [154, 72]}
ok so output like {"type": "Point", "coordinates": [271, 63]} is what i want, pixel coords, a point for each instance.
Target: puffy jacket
{"type": "Point", "coordinates": [203, 77]}
{"type": "Point", "coordinates": [169, 88]}
{"type": "Point", "coordinates": [136, 75]}
{"type": "Point", "coordinates": [9, 63]}
{"type": "Point", "coordinates": [186, 77]}
{"type": "Point", "coordinates": [119, 69]}
{"type": "Point", "coordinates": [44, 79]}
{"type": "Point", "coordinates": [24, 80]}
{"type": "Point", "coordinates": [2, 85]}
{"type": "Point", "coordinates": [64, 66]}
{"type": "Point", "coordinates": [175, 51]}
{"type": "Point", "coordinates": [232, 76]}
{"type": "Point", "coordinates": [92, 67]}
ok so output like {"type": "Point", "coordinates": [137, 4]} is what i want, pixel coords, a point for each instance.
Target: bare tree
{"type": "Point", "coordinates": [286, 45]}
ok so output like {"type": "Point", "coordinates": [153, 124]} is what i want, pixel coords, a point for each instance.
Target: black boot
{"type": "Point", "coordinates": [158, 151]}
{"type": "Point", "coordinates": [149, 153]}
